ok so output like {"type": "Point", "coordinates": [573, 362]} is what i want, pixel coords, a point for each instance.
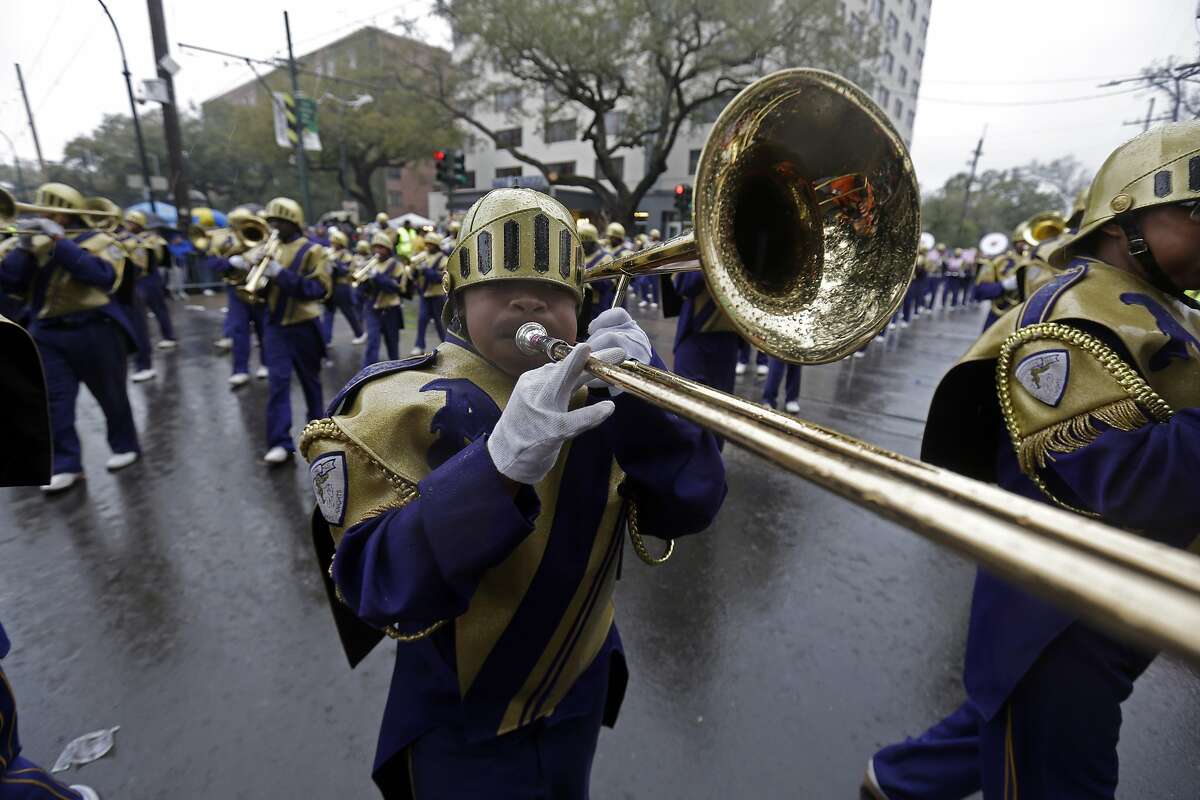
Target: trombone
{"type": "Point", "coordinates": [365, 272]}
{"type": "Point", "coordinates": [99, 213]}
{"type": "Point", "coordinates": [256, 278]}
{"type": "Point", "coordinates": [1042, 227]}
{"type": "Point", "coordinates": [809, 277]}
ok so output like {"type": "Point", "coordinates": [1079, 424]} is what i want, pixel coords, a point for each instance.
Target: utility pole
{"type": "Point", "coordinates": [37, 145]}
{"type": "Point", "coordinates": [147, 190]}
{"type": "Point", "coordinates": [962, 218]}
{"type": "Point", "coordinates": [176, 172]}
{"type": "Point", "coordinates": [301, 166]}
{"type": "Point", "coordinates": [17, 164]}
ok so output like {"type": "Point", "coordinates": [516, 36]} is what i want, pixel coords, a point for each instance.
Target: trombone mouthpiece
{"type": "Point", "coordinates": [532, 338]}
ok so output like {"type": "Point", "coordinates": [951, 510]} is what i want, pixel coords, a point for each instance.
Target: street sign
{"type": "Point", "coordinates": [155, 90]}
{"type": "Point", "coordinates": [293, 116]}
{"type": "Point", "coordinates": [522, 182]}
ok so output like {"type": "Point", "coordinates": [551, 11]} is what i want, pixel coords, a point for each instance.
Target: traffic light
{"type": "Point", "coordinates": [683, 200]}
{"type": "Point", "coordinates": [444, 174]}
{"type": "Point", "coordinates": [460, 168]}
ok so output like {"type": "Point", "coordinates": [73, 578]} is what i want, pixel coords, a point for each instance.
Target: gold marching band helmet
{"type": "Point", "coordinates": [97, 213]}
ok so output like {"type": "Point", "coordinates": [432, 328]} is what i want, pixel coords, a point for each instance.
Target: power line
{"type": "Point", "coordinates": [281, 63]}
{"type": "Point", "coordinates": [1012, 103]}
{"type": "Point", "coordinates": [1032, 82]}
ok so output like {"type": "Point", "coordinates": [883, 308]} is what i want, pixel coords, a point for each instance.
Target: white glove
{"type": "Point", "coordinates": [47, 226]}
{"type": "Point", "coordinates": [237, 262]}
{"type": "Point", "coordinates": [535, 423]}
{"type": "Point", "coordinates": [1010, 283]}
{"type": "Point", "coordinates": [274, 268]}
{"type": "Point", "coordinates": [612, 330]}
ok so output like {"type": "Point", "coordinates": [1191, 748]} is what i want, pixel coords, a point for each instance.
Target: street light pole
{"type": "Point", "coordinates": [147, 191]}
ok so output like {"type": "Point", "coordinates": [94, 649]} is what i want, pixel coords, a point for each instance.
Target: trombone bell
{"type": "Point", "coordinates": [1043, 227]}
{"type": "Point", "coordinates": [807, 215]}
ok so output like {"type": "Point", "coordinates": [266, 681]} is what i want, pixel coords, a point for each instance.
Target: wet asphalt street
{"type": "Point", "coordinates": [769, 658]}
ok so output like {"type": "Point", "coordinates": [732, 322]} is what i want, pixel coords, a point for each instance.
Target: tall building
{"type": "Point", "coordinates": [370, 50]}
{"type": "Point", "coordinates": [896, 73]}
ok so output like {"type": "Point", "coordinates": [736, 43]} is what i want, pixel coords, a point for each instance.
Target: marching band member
{"type": "Point", "coordinates": [649, 291]}
{"type": "Point", "coordinates": [227, 258]}
{"type": "Point", "coordinates": [139, 254]}
{"type": "Point", "coordinates": [79, 332]}
{"type": "Point", "coordinates": [789, 375]}
{"type": "Point", "coordinates": [385, 315]}
{"type": "Point", "coordinates": [933, 277]}
{"type": "Point", "coordinates": [292, 341]}
{"type": "Point", "coordinates": [601, 292]}
{"type": "Point", "coordinates": [706, 342]}
{"type": "Point", "coordinates": [451, 239]}
{"type": "Point", "coordinates": [761, 360]}
{"type": "Point", "coordinates": [952, 272]}
{"type": "Point", "coordinates": [342, 297]}
{"type": "Point", "coordinates": [1000, 281]}
{"type": "Point", "coordinates": [151, 286]}
{"type": "Point", "coordinates": [616, 246]}
{"type": "Point", "coordinates": [1089, 392]}
{"type": "Point", "coordinates": [471, 503]}
{"type": "Point", "coordinates": [433, 296]}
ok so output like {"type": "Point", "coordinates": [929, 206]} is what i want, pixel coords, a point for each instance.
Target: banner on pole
{"type": "Point", "coordinates": [295, 117]}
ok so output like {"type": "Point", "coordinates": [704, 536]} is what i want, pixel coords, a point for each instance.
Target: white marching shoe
{"type": "Point", "coordinates": [870, 789]}
{"type": "Point", "coordinates": [238, 379]}
{"type": "Point", "coordinates": [792, 407]}
{"type": "Point", "coordinates": [143, 375]}
{"type": "Point", "coordinates": [61, 481]}
{"type": "Point", "coordinates": [740, 369]}
{"type": "Point", "coordinates": [416, 351]}
{"type": "Point", "coordinates": [167, 344]}
{"type": "Point", "coordinates": [359, 339]}
{"type": "Point", "coordinates": [86, 792]}
{"type": "Point", "coordinates": [261, 373]}
{"type": "Point", "coordinates": [224, 343]}
{"type": "Point", "coordinates": [643, 304]}
{"type": "Point", "coordinates": [860, 354]}
{"type": "Point", "coordinates": [654, 305]}
{"type": "Point", "coordinates": [761, 370]}
{"type": "Point", "coordinates": [276, 455]}
{"type": "Point", "coordinates": [121, 460]}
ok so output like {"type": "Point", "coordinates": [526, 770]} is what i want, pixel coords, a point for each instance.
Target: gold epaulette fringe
{"type": "Point", "coordinates": [323, 428]}
{"type": "Point", "coordinates": [1076, 433]}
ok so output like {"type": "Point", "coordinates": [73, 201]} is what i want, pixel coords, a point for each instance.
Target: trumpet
{"type": "Point", "coordinates": [256, 277]}
{"type": "Point", "coordinates": [809, 281]}
{"type": "Point", "coordinates": [364, 272]}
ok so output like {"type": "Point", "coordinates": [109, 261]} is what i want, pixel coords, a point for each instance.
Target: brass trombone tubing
{"type": "Point", "coordinates": [1140, 590]}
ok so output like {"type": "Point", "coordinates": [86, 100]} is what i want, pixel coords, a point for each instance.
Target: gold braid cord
{"type": "Point", "coordinates": [406, 492]}
{"type": "Point", "coordinates": [1034, 450]}
{"type": "Point", "coordinates": [639, 544]}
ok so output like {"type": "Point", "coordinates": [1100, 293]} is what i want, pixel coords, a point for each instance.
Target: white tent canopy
{"type": "Point", "coordinates": [416, 219]}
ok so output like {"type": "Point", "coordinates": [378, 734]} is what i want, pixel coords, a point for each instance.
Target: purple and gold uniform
{"type": "Point", "coordinates": [500, 594]}
{"type": "Point", "coordinates": [81, 335]}
{"type": "Point", "coordinates": [706, 342]}
{"type": "Point", "coordinates": [1089, 395]}
{"type": "Point", "coordinates": [341, 262]}
{"type": "Point", "coordinates": [429, 269]}
{"type": "Point", "coordinates": [385, 315]}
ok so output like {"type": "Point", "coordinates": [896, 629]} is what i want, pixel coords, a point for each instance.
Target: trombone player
{"type": "Point", "coordinates": [151, 287]}
{"type": "Point", "coordinates": [82, 337]}
{"type": "Point", "coordinates": [384, 281]}
{"type": "Point", "coordinates": [298, 282]}
{"type": "Point", "coordinates": [226, 253]}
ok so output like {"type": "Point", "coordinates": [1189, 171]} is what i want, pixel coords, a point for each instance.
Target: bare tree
{"type": "Point", "coordinates": [628, 74]}
{"type": "Point", "coordinates": [1066, 177]}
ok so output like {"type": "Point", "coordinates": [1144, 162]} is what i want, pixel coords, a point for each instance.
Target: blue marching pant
{"type": "Point", "coordinates": [710, 358]}
{"type": "Point", "coordinates": [781, 372]}
{"type": "Point", "coordinates": [342, 300]}
{"type": "Point", "coordinates": [385, 324]}
{"type": "Point", "coordinates": [93, 354]}
{"type": "Point", "coordinates": [151, 289]}
{"type": "Point", "coordinates": [743, 354]}
{"type": "Point", "coordinates": [431, 309]}
{"type": "Point", "coordinates": [1055, 737]}
{"type": "Point", "coordinates": [135, 312]}
{"type": "Point", "coordinates": [238, 320]}
{"type": "Point", "coordinates": [295, 348]}
{"type": "Point", "coordinates": [539, 761]}
{"type": "Point", "coordinates": [20, 778]}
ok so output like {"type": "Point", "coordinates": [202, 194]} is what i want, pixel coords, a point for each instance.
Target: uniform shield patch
{"type": "Point", "coordinates": [1044, 375]}
{"type": "Point", "coordinates": [329, 485]}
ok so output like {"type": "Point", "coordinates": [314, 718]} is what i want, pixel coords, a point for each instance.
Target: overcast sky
{"type": "Point", "coordinates": [1017, 67]}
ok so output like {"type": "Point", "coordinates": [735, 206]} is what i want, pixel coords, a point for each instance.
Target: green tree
{"type": "Point", "coordinates": [1000, 200]}
{"type": "Point", "coordinates": [630, 74]}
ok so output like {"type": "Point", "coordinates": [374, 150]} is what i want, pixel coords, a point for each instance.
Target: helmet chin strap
{"type": "Point", "coordinates": [1139, 248]}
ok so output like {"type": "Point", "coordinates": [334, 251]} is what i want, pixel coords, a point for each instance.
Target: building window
{"type": "Point", "coordinates": [916, 87]}
{"type": "Point", "coordinates": [876, 10]}
{"type": "Point", "coordinates": [912, 116]}
{"type": "Point", "coordinates": [558, 169]}
{"type": "Point", "coordinates": [903, 77]}
{"type": "Point", "coordinates": [924, 25]}
{"type": "Point", "coordinates": [614, 123]}
{"type": "Point", "coordinates": [395, 199]}
{"type": "Point", "coordinates": [508, 172]}
{"type": "Point", "coordinates": [394, 173]}
{"type": "Point", "coordinates": [912, 9]}
{"type": "Point", "coordinates": [559, 130]}
{"type": "Point", "coordinates": [855, 27]}
{"type": "Point", "coordinates": [352, 59]}
{"type": "Point", "coordinates": [508, 99]}
{"type": "Point", "coordinates": [892, 26]}
{"type": "Point", "coordinates": [884, 96]}
{"type": "Point", "coordinates": [898, 110]}
{"type": "Point", "coordinates": [709, 110]}
{"type": "Point", "coordinates": [618, 169]}
{"type": "Point", "coordinates": [509, 137]}
{"type": "Point", "coordinates": [887, 61]}
{"type": "Point", "coordinates": [693, 161]}
{"type": "Point", "coordinates": [920, 57]}
{"type": "Point", "coordinates": [907, 43]}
